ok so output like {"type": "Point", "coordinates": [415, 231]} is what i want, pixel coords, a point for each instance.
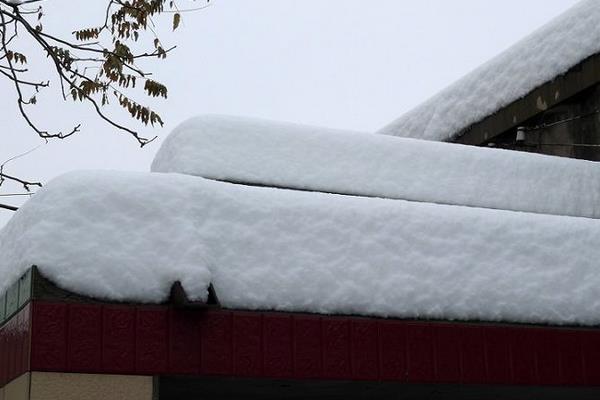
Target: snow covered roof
{"type": "Point", "coordinates": [130, 236]}
{"type": "Point", "coordinates": [540, 57]}
{"type": "Point", "coordinates": [302, 157]}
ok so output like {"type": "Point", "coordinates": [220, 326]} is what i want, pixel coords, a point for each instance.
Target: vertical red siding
{"type": "Point", "coordinates": [336, 348]}
{"type": "Point", "coordinates": [162, 340]}
{"type": "Point", "coordinates": [498, 355]}
{"type": "Point", "coordinates": [420, 360]}
{"type": "Point", "coordinates": [278, 345]}
{"type": "Point", "coordinates": [184, 343]}
{"type": "Point", "coordinates": [118, 339]}
{"type": "Point", "coordinates": [152, 340]}
{"type": "Point", "coordinates": [571, 358]}
{"type": "Point", "coordinates": [393, 345]}
{"type": "Point", "coordinates": [365, 349]}
{"type": "Point", "coordinates": [474, 366]}
{"type": "Point", "coordinates": [308, 347]}
{"type": "Point", "coordinates": [15, 346]}
{"type": "Point", "coordinates": [49, 337]}
{"type": "Point", "coordinates": [84, 340]}
{"type": "Point", "coordinates": [216, 343]}
{"type": "Point", "coordinates": [548, 357]}
{"type": "Point", "coordinates": [591, 351]}
{"type": "Point", "coordinates": [523, 356]}
{"type": "Point", "coordinates": [247, 344]}
{"type": "Point", "coordinates": [447, 351]}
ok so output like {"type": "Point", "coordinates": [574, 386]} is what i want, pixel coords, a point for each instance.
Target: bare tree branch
{"type": "Point", "coordinates": [95, 66]}
{"type": "Point", "coordinates": [7, 207]}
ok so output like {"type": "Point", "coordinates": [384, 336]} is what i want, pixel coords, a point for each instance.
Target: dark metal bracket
{"type": "Point", "coordinates": [179, 298]}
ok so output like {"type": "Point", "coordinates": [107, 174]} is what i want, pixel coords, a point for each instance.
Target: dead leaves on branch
{"type": "Point", "coordinates": [139, 112]}
{"type": "Point", "coordinates": [100, 63]}
{"type": "Point", "coordinates": [18, 58]}
{"type": "Point", "coordinates": [155, 89]}
{"type": "Point", "coordinates": [176, 20]}
{"type": "Point", "coordinates": [87, 34]}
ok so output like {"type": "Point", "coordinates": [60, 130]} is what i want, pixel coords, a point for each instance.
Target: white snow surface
{"type": "Point", "coordinates": [261, 152]}
{"type": "Point", "coordinates": [540, 57]}
{"type": "Point", "coordinates": [128, 236]}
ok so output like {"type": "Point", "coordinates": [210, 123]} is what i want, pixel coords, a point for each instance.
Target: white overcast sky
{"type": "Point", "coordinates": [338, 63]}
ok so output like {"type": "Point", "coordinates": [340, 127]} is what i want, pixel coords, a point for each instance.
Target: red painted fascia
{"type": "Point", "coordinates": [161, 340]}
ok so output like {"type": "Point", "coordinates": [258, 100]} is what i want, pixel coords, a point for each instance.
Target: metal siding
{"type": "Point", "coordinates": [166, 341]}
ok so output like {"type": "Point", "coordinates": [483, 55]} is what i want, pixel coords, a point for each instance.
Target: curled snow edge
{"type": "Point", "coordinates": [260, 152]}
{"type": "Point", "coordinates": [129, 236]}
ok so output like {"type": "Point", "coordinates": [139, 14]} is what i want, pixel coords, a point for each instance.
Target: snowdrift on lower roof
{"type": "Point", "coordinates": [128, 236]}
{"type": "Point", "coordinates": [121, 236]}
{"type": "Point", "coordinates": [301, 157]}
{"type": "Point", "coordinates": [540, 57]}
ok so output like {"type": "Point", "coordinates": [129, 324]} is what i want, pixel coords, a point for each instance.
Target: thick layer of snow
{"type": "Point", "coordinates": [128, 236]}
{"type": "Point", "coordinates": [122, 236]}
{"type": "Point", "coordinates": [301, 157]}
{"type": "Point", "coordinates": [535, 60]}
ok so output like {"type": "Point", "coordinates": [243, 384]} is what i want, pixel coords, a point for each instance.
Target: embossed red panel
{"type": "Point", "coordinates": [49, 337]}
{"type": "Point", "coordinates": [23, 334]}
{"type": "Point", "coordinates": [498, 354]}
{"type": "Point", "coordinates": [308, 347]}
{"type": "Point", "coordinates": [571, 358]}
{"type": "Point", "coordinates": [159, 340]}
{"type": "Point", "coordinates": [336, 348]}
{"type": "Point", "coordinates": [118, 339]}
{"type": "Point", "coordinates": [184, 352]}
{"type": "Point", "coordinates": [278, 346]}
{"type": "Point", "coordinates": [392, 360]}
{"type": "Point", "coordinates": [216, 338]}
{"type": "Point", "coordinates": [420, 360]}
{"type": "Point", "coordinates": [26, 335]}
{"type": "Point", "coordinates": [524, 364]}
{"type": "Point", "coordinates": [84, 343]}
{"type": "Point", "coordinates": [548, 360]}
{"type": "Point", "coordinates": [473, 354]}
{"type": "Point", "coordinates": [365, 349]}
{"type": "Point", "coordinates": [247, 344]}
{"type": "Point", "coordinates": [591, 350]}
{"type": "Point", "coordinates": [3, 358]}
{"type": "Point", "coordinates": [447, 351]}
{"type": "Point", "coordinates": [9, 331]}
{"type": "Point", "coordinates": [14, 346]}
{"type": "Point", "coordinates": [11, 348]}
{"type": "Point", "coordinates": [151, 350]}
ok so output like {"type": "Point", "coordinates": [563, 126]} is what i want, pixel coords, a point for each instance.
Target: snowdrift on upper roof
{"type": "Point", "coordinates": [269, 153]}
{"type": "Point", "coordinates": [548, 52]}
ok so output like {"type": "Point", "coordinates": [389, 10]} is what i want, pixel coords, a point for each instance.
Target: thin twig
{"type": "Point", "coordinates": [7, 207]}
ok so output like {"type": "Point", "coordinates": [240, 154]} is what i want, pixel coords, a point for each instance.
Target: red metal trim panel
{"type": "Point", "coordinates": [336, 348]}
{"type": "Point", "coordinates": [447, 349]}
{"type": "Point", "coordinates": [364, 349]}
{"type": "Point", "coordinates": [118, 338]}
{"type": "Point", "coordinates": [14, 346]}
{"type": "Point", "coordinates": [247, 344]}
{"type": "Point", "coordinates": [216, 350]}
{"type": "Point", "coordinates": [184, 342]}
{"type": "Point", "coordinates": [84, 337]}
{"type": "Point", "coordinates": [393, 351]}
{"type": "Point", "coordinates": [152, 341]}
{"type": "Point", "coordinates": [307, 357]}
{"type": "Point", "coordinates": [278, 345]}
{"type": "Point", "coordinates": [162, 340]}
